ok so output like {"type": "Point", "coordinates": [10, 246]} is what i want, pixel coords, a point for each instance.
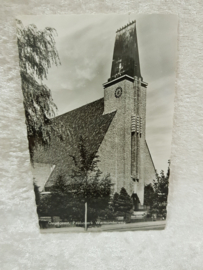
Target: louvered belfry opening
{"type": "Point", "coordinates": [133, 123]}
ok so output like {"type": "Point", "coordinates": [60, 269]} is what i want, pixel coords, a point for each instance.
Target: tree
{"type": "Point", "coordinates": [44, 208]}
{"type": "Point", "coordinates": [122, 203]}
{"type": "Point", "coordinates": [87, 183]}
{"type": "Point", "coordinates": [161, 191]}
{"type": "Point", "coordinates": [37, 53]}
{"type": "Point", "coordinates": [156, 194]}
{"type": "Point", "coordinates": [115, 202]}
{"type": "Point", "coordinates": [149, 195]}
{"type": "Point", "coordinates": [60, 202]}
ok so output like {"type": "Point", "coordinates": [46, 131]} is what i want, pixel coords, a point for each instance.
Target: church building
{"type": "Point", "coordinates": [114, 127]}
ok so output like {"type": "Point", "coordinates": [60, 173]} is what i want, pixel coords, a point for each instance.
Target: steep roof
{"type": "Point", "coordinates": [87, 121]}
{"type": "Point", "coordinates": [126, 56]}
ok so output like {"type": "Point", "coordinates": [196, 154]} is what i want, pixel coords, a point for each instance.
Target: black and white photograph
{"type": "Point", "coordinates": [99, 99]}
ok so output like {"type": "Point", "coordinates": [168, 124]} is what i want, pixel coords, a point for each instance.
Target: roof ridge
{"type": "Point", "coordinates": [125, 26]}
{"type": "Point", "coordinates": [78, 108]}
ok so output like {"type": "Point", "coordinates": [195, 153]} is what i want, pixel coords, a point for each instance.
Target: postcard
{"type": "Point", "coordinates": [98, 97]}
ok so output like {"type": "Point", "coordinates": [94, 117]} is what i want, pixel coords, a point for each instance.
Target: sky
{"type": "Point", "coordinates": [85, 44]}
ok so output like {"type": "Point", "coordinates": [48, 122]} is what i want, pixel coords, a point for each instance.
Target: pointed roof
{"type": "Point", "coordinates": [87, 121]}
{"type": "Point", "coordinates": [126, 56]}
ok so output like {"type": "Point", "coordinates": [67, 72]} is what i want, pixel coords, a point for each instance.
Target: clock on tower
{"type": "Point", "coordinates": [118, 92]}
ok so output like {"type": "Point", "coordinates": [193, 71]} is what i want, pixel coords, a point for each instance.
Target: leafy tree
{"type": "Point", "coordinates": [64, 202]}
{"type": "Point", "coordinates": [60, 202]}
{"type": "Point", "coordinates": [86, 186]}
{"type": "Point", "coordinates": [156, 194]}
{"type": "Point", "coordinates": [59, 186]}
{"type": "Point", "coordinates": [87, 183]}
{"type": "Point", "coordinates": [37, 53]}
{"type": "Point", "coordinates": [161, 191]}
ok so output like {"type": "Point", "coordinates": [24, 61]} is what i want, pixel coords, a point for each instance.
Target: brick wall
{"type": "Point", "coordinates": [119, 135]}
{"type": "Point", "coordinates": [107, 154]}
{"type": "Point", "coordinates": [116, 150]}
{"type": "Point", "coordinates": [149, 166]}
{"type": "Point", "coordinates": [142, 113]}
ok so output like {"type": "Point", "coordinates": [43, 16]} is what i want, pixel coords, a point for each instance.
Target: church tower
{"type": "Point", "coordinates": [125, 93]}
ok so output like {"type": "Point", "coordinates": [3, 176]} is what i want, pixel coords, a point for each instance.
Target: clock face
{"type": "Point", "coordinates": [118, 92]}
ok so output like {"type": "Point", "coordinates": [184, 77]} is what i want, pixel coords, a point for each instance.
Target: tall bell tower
{"type": "Point", "coordinates": [125, 92]}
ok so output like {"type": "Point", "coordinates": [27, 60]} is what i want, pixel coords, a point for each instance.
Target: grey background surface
{"type": "Point", "coordinates": [180, 245]}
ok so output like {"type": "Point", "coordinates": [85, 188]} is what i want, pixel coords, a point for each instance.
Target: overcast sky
{"type": "Point", "coordinates": [85, 45]}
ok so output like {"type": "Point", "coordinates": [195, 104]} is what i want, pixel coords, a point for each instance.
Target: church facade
{"type": "Point", "coordinates": [114, 127]}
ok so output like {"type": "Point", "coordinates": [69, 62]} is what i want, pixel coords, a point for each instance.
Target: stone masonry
{"type": "Point", "coordinates": [116, 149]}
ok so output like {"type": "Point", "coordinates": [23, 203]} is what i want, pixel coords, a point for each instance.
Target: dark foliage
{"type": "Point", "coordinates": [122, 203]}
{"type": "Point", "coordinates": [115, 202]}
{"type": "Point", "coordinates": [67, 200]}
{"type": "Point", "coordinates": [107, 214]}
{"type": "Point", "coordinates": [37, 53]}
{"type": "Point", "coordinates": [156, 195]}
{"type": "Point", "coordinates": [87, 183]}
{"type": "Point", "coordinates": [37, 194]}
{"type": "Point", "coordinates": [149, 195]}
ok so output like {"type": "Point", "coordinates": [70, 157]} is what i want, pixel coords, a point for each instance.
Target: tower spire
{"type": "Point", "coordinates": [126, 56]}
